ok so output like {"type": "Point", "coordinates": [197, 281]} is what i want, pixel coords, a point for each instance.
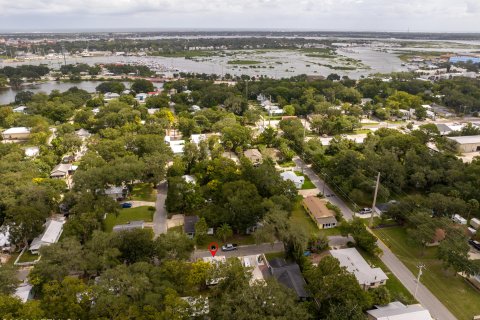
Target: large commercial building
{"type": "Point", "coordinates": [466, 144]}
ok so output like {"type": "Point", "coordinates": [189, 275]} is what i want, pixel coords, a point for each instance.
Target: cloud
{"type": "Point", "coordinates": [427, 15]}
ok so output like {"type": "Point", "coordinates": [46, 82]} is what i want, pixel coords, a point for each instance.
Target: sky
{"type": "Point", "coordinates": [323, 15]}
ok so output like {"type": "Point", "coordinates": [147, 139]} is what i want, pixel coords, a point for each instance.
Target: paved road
{"type": "Point", "coordinates": [424, 296]}
{"type": "Point", "coordinates": [242, 250]}
{"type": "Point", "coordinates": [160, 216]}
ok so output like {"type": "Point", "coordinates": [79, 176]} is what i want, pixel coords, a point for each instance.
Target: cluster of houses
{"type": "Point", "coordinates": [271, 108]}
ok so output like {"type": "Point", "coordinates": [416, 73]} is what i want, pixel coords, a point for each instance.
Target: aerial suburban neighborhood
{"type": "Point", "coordinates": [239, 174]}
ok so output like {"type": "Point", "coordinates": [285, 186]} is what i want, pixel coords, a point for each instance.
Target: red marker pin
{"type": "Point", "coordinates": [213, 248]}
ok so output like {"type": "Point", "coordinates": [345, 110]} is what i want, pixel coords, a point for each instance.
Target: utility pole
{"type": "Point", "coordinates": [420, 272]}
{"type": "Point", "coordinates": [374, 200]}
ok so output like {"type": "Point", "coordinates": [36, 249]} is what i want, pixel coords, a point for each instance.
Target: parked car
{"type": "Point", "coordinates": [474, 244]}
{"type": "Point", "coordinates": [126, 205]}
{"type": "Point", "coordinates": [229, 247]}
{"type": "Point", "coordinates": [365, 211]}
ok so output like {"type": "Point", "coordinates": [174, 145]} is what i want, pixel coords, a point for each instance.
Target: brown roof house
{"type": "Point", "coordinates": [253, 155]}
{"type": "Point", "coordinates": [323, 217]}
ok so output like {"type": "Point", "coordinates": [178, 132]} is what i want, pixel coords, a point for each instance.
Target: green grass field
{"type": "Point", "coordinates": [300, 218]}
{"type": "Point", "coordinates": [27, 257]}
{"type": "Point", "coordinates": [452, 290]}
{"type": "Point", "coordinates": [126, 215]}
{"type": "Point", "coordinates": [308, 184]}
{"type": "Point", "coordinates": [243, 62]}
{"type": "Point", "coordinates": [143, 192]}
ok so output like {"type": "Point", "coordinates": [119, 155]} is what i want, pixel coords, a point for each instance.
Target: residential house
{"type": "Point", "coordinates": [32, 152]}
{"type": "Point", "coordinates": [323, 217]}
{"type": "Point", "coordinates": [291, 176]}
{"type": "Point", "coordinates": [110, 96]}
{"type": "Point", "coordinates": [254, 156]}
{"type": "Point", "coordinates": [189, 225]}
{"type": "Point", "coordinates": [195, 108]}
{"type": "Point", "coordinates": [131, 225]}
{"type": "Point", "coordinates": [398, 311]}
{"type": "Point", "coordinates": [20, 109]}
{"type": "Point", "coordinates": [475, 223]}
{"type": "Point", "coordinates": [117, 193]}
{"type": "Point", "coordinates": [16, 133]}
{"type": "Point", "coordinates": [53, 231]}
{"type": "Point", "coordinates": [367, 276]}
{"type": "Point", "coordinates": [24, 292]}
{"type": "Point", "coordinates": [141, 97]}
{"type": "Point", "coordinates": [83, 134]}
{"type": "Point", "coordinates": [5, 238]}
{"type": "Point", "coordinates": [197, 138]}
{"type": "Point", "coordinates": [289, 275]}
{"type": "Point", "coordinates": [61, 171]}
{"type": "Point", "coordinates": [189, 179]}
{"type": "Point", "coordinates": [177, 146]}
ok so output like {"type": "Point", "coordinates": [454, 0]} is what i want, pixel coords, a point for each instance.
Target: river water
{"type": "Point", "coordinates": [272, 63]}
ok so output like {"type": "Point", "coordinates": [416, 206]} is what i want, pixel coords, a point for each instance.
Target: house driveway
{"type": "Point", "coordinates": [136, 203]}
{"type": "Point", "coordinates": [160, 216]}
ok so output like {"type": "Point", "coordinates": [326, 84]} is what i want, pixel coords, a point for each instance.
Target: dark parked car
{"type": "Point", "coordinates": [229, 247]}
{"type": "Point", "coordinates": [126, 205]}
{"type": "Point", "coordinates": [474, 244]}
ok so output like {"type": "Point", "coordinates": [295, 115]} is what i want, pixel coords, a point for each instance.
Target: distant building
{"type": "Point", "coordinates": [398, 311]}
{"type": "Point", "coordinates": [475, 223]}
{"type": "Point", "coordinates": [464, 59]}
{"type": "Point", "coordinates": [32, 151]}
{"type": "Point", "coordinates": [189, 179]}
{"type": "Point", "coordinates": [5, 238]}
{"type": "Point", "coordinates": [83, 134]}
{"type": "Point", "coordinates": [367, 276]}
{"type": "Point", "coordinates": [24, 292]}
{"type": "Point", "coordinates": [61, 171]}
{"type": "Point", "coordinates": [16, 133]}
{"type": "Point", "coordinates": [291, 176]}
{"type": "Point", "coordinates": [53, 231]}
{"type": "Point", "coordinates": [110, 96]}
{"type": "Point", "coordinates": [189, 225]}
{"type": "Point", "coordinates": [116, 193]}
{"type": "Point", "coordinates": [253, 155]}
{"type": "Point", "coordinates": [131, 225]}
{"type": "Point", "coordinates": [197, 138]}
{"type": "Point", "coordinates": [141, 97]}
{"type": "Point", "coordinates": [323, 217]}
{"type": "Point", "coordinates": [459, 219]}
{"type": "Point", "coordinates": [466, 144]}
{"type": "Point", "coordinates": [21, 109]}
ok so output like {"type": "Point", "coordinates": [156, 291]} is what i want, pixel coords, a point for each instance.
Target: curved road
{"type": "Point", "coordinates": [424, 296]}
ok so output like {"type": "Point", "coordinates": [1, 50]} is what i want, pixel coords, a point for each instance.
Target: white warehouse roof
{"type": "Point", "coordinates": [466, 139]}
{"type": "Point", "coordinates": [17, 130]}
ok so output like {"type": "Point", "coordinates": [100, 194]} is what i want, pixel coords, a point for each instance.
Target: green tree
{"type": "Point", "coordinates": [142, 85]}
{"type": "Point", "coordinates": [201, 229]}
{"type": "Point", "coordinates": [8, 279]}
{"type": "Point", "coordinates": [224, 232]}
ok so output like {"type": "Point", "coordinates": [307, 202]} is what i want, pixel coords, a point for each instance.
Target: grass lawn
{"type": "Point", "coordinates": [360, 131]}
{"type": "Point", "coordinates": [143, 192]}
{"type": "Point", "coordinates": [272, 255]}
{"type": "Point", "coordinates": [178, 229]}
{"type": "Point", "coordinates": [27, 256]}
{"type": "Point", "coordinates": [394, 286]}
{"type": "Point", "coordinates": [453, 291]}
{"type": "Point", "coordinates": [308, 184]}
{"type": "Point", "coordinates": [287, 164]}
{"type": "Point", "coordinates": [238, 239]}
{"type": "Point", "coordinates": [300, 218]}
{"type": "Point", "coordinates": [126, 215]}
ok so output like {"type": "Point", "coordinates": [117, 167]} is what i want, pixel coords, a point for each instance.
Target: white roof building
{"type": "Point", "coordinates": [366, 276]}
{"type": "Point", "coordinates": [17, 130]}
{"type": "Point", "coordinates": [196, 138]}
{"type": "Point", "coordinates": [53, 231]}
{"type": "Point", "coordinates": [177, 146]}
{"type": "Point", "coordinates": [20, 109]}
{"type": "Point", "coordinates": [398, 311]}
{"type": "Point", "coordinates": [4, 237]}
{"type": "Point", "coordinates": [189, 179]}
{"type": "Point", "coordinates": [297, 180]}
{"type": "Point", "coordinates": [32, 151]}
{"type": "Point", "coordinates": [24, 292]}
